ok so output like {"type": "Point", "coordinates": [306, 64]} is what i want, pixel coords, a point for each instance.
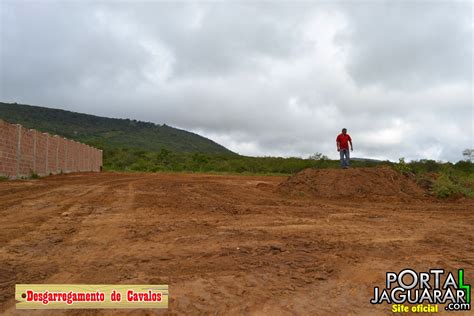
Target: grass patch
{"type": "Point", "coordinates": [443, 180]}
{"type": "Point", "coordinates": [124, 159]}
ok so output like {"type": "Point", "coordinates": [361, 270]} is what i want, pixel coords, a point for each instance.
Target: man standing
{"type": "Point", "coordinates": [343, 140]}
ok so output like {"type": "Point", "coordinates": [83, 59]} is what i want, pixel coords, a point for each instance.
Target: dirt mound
{"type": "Point", "coordinates": [367, 183]}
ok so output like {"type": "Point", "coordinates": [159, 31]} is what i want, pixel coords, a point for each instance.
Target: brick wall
{"type": "Point", "coordinates": [62, 154]}
{"type": "Point", "coordinates": [41, 158]}
{"type": "Point", "coordinates": [26, 151]}
{"type": "Point", "coordinates": [8, 154]}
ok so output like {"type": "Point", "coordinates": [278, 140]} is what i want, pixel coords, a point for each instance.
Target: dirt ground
{"type": "Point", "coordinates": [224, 244]}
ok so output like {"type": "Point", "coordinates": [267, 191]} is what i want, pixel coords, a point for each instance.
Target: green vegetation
{"type": "Point", "coordinates": [165, 160]}
{"type": "Point", "coordinates": [442, 179]}
{"type": "Point", "coordinates": [33, 175]}
{"type": "Point", "coordinates": [402, 166]}
{"type": "Point", "coordinates": [131, 145]}
{"type": "Point", "coordinates": [108, 133]}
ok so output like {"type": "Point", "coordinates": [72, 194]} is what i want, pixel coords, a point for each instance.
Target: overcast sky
{"type": "Point", "coordinates": [266, 78]}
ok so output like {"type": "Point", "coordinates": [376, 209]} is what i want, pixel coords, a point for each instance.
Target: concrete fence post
{"type": "Point", "coordinates": [18, 150]}
{"type": "Point", "coordinates": [88, 158]}
{"type": "Point", "coordinates": [65, 155]}
{"type": "Point", "coordinates": [47, 156]}
{"type": "Point", "coordinates": [73, 157]}
{"type": "Point", "coordinates": [64, 164]}
{"type": "Point", "coordinates": [34, 151]}
{"type": "Point", "coordinates": [57, 153]}
{"type": "Point", "coordinates": [73, 161]}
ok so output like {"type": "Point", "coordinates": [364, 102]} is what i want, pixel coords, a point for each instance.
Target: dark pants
{"type": "Point", "coordinates": [345, 156]}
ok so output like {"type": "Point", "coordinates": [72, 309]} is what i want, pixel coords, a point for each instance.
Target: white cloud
{"type": "Point", "coordinates": [260, 78]}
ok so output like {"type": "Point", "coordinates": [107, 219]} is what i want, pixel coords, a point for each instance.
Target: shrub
{"type": "Point", "coordinates": [445, 186]}
{"type": "Point", "coordinates": [402, 166]}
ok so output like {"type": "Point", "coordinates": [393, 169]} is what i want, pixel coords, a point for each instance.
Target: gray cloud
{"type": "Point", "coordinates": [263, 79]}
{"type": "Point", "coordinates": [410, 45]}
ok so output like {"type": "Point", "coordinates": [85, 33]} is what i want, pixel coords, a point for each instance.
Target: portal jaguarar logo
{"type": "Point", "coordinates": [424, 291]}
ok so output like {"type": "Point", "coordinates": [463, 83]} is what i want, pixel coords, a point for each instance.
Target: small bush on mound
{"type": "Point", "coordinates": [447, 185]}
{"type": "Point", "coordinates": [464, 166]}
{"type": "Point", "coordinates": [426, 181]}
{"type": "Point", "coordinates": [440, 179]}
{"type": "Point", "coordinates": [402, 166]}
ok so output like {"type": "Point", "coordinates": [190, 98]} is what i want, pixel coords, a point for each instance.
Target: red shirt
{"type": "Point", "coordinates": [343, 141]}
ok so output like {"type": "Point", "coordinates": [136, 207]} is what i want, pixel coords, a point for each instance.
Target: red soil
{"type": "Point", "coordinates": [229, 245]}
{"type": "Point", "coordinates": [366, 183]}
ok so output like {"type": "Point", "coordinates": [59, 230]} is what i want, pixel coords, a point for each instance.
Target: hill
{"type": "Point", "coordinates": [108, 133]}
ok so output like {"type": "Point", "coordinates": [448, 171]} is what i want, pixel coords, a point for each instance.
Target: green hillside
{"type": "Point", "coordinates": [108, 133]}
